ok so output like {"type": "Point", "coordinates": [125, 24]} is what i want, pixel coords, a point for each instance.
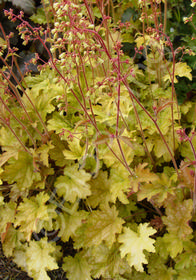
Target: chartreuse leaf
{"type": "Point", "coordinates": [102, 225]}
{"type": "Point", "coordinates": [142, 175]}
{"type": "Point", "coordinates": [173, 244]}
{"type": "Point", "coordinates": [164, 118]}
{"type": "Point", "coordinates": [178, 227]}
{"type": "Point", "coordinates": [57, 152]}
{"type": "Point", "coordinates": [8, 141]}
{"type": "Point", "coordinates": [158, 189]}
{"type": "Point", "coordinates": [68, 221]}
{"type": "Point", "coordinates": [59, 123]}
{"type": "Point", "coordinates": [186, 150]}
{"type": "Point", "coordinates": [39, 17]}
{"type": "Point", "coordinates": [1, 200]}
{"type": "Point", "coordinates": [106, 262]}
{"type": "Point", "coordinates": [43, 152]}
{"type": "Point", "coordinates": [4, 157]}
{"type": "Point", "coordinates": [181, 70]}
{"type": "Point", "coordinates": [119, 184]}
{"type": "Point", "coordinates": [1, 170]}
{"type": "Point", "coordinates": [73, 184]}
{"type": "Point", "coordinates": [44, 89]}
{"type": "Point", "coordinates": [185, 107]}
{"type": "Point", "coordinates": [76, 151]}
{"type": "Point", "coordinates": [3, 45]}
{"type": "Point", "coordinates": [146, 122]}
{"type": "Point", "coordinates": [100, 190]}
{"type": "Point", "coordinates": [108, 156]}
{"type": "Point", "coordinates": [89, 163]}
{"type": "Point", "coordinates": [7, 216]}
{"type": "Point", "coordinates": [20, 257]}
{"type": "Point", "coordinates": [185, 262]}
{"type": "Point", "coordinates": [30, 211]}
{"type": "Point", "coordinates": [160, 148]}
{"type": "Point", "coordinates": [21, 171]}
{"type": "Point", "coordinates": [76, 267]}
{"type": "Point", "coordinates": [134, 243]}
{"type": "Point", "coordinates": [187, 258]}
{"type": "Point", "coordinates": [187, 273]}
{"type": "Point", "coordinates": [188, 110]}
{"type": "Point", "coordinates": [46, 224]}
{"type": "Point", "coordinates": [12, 240]}
{"type": "Point", "coordinates": [40, 258]}
{"type": "Point", "coordinates": [37, 257]}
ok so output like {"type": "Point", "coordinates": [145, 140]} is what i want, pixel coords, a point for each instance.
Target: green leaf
{"type": "Point", "coordinates": [73, 184]}
{"type": "Point", "coordinates": [76, 267]}
{"type": "Point", "coordinates": [39, 17]}
{"type": "Point", "coordinates": [187, 274]}
{"type": "Point", "coordinates": [126, 210]}
{"type": "Point", "coordinates": [89, 163]}
{"type": "Point", "coordinates": [173, 244]}
{"type": "Point", "coordinates": [157, 269]}
{"type": "Point", "coordinates": [187, 258]}
{"type": "Point", "coordinates": [134, 243]}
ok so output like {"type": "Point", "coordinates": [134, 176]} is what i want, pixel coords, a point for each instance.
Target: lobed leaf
{"type": "Point", "coordinates": [134, 243]}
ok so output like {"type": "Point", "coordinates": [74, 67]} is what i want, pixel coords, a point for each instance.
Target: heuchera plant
{"type": "Point", "coordinates": [96, 153]}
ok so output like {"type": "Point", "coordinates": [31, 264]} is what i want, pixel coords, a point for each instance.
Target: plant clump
{"type": "Point", "coordinates": [97, 161]}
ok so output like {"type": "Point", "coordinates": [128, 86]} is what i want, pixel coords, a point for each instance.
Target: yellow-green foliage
{"type": "Point", "coordinates": [94, 154]}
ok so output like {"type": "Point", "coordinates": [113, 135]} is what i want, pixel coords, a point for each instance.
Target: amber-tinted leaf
{"type": "Point", "coordinates": [77, 267]}
{"type": "Point", "coordinates": [103, 225]}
